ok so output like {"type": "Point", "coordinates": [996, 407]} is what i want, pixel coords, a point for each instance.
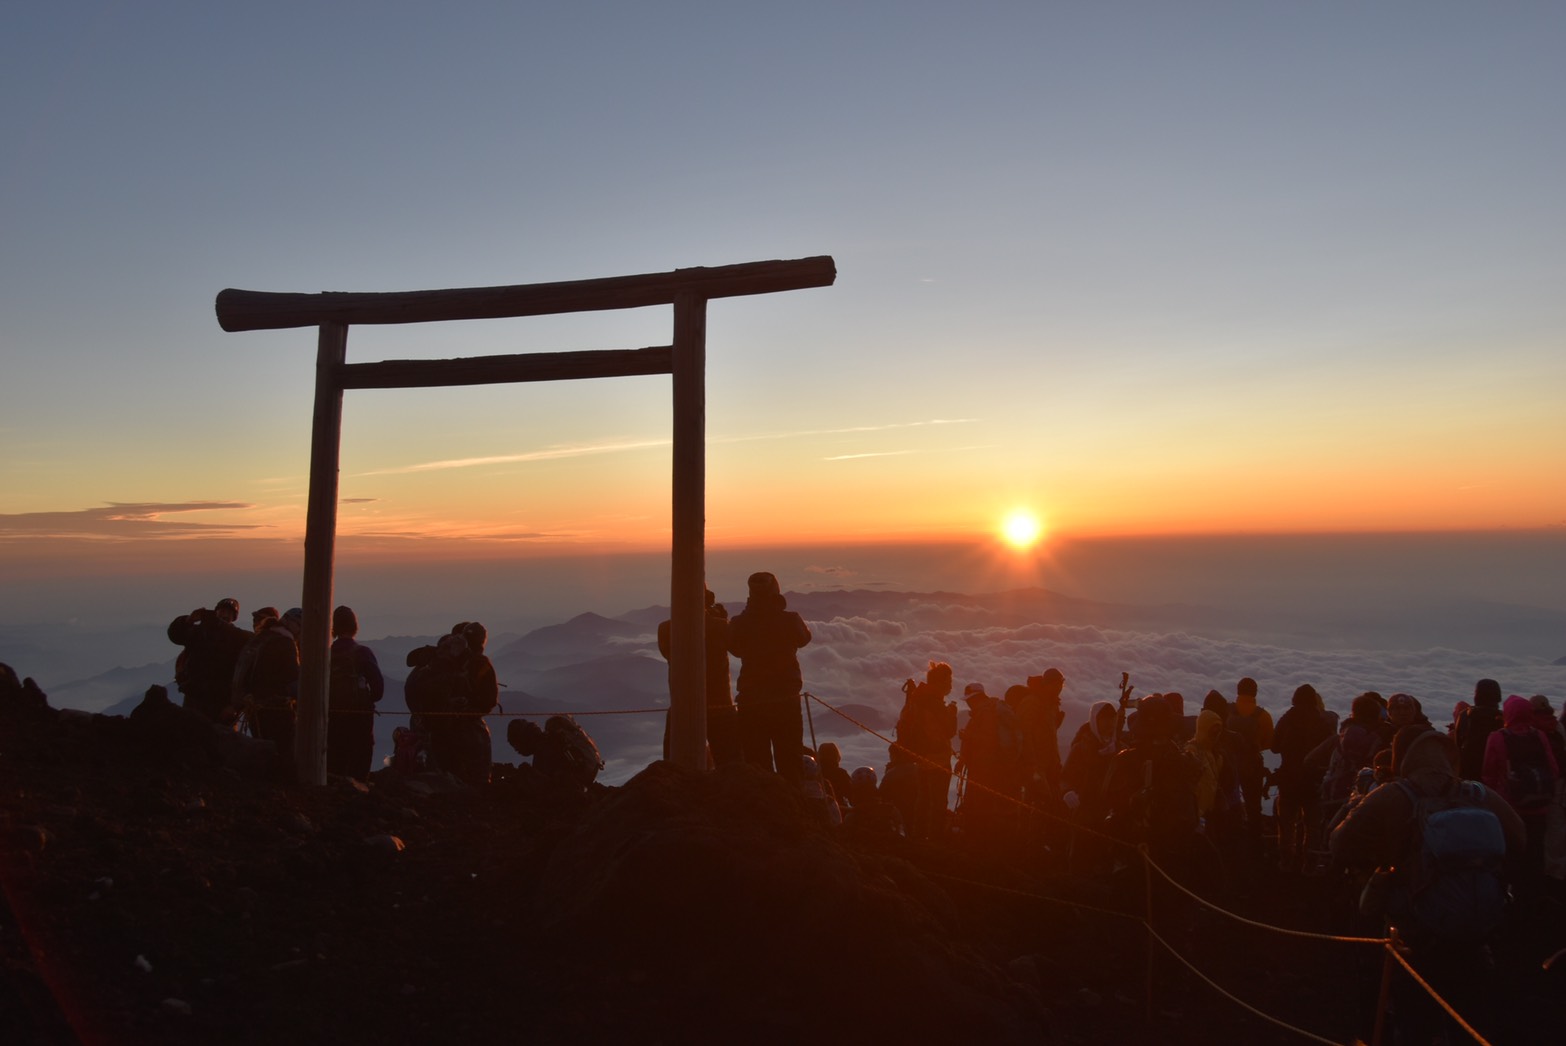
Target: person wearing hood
{"type": "Point", "coordinates": [1384, 832]}
{"type": "Point", "coordinates": [356, 684]}
{"type": "Point", "coordinates": [1088, 762]}
{"type": "Point", "coordinates": [1207, 748]}
{"type": "Point", "coordinates": [1251, 726]}
{"type": "Point", "coordinates": [766, 636]}
{"type": "Point", "coordinates": [1519, 764]}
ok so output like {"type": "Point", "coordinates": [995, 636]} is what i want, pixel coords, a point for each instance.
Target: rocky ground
{"type": "Point", "coordinates": [155, 891]}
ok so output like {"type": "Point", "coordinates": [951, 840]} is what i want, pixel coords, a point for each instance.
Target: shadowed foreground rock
{"type": "Point", "coordinates": [720, 910]}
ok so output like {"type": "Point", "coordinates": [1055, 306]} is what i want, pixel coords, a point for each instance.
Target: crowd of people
{"type": "Point", "coordinates": [1442, 825]}
{"type": "Point", "coordinates": [250, 680]}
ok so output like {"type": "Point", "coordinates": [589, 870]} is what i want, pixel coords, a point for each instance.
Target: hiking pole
{"type": "Point", "coordinates": [807, 697]}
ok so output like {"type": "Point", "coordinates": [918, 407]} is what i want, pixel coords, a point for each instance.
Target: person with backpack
{"type": "Point", "coordinates": [1439, 844]}
{"type": "Point", "coordinates": [767, 636]}
{"type": "Point", "coordinates": [266, 680]}
{"type": "Point", "coordinates": [987, 764]}
{"type": "Point", "coordinates": [1474, 728]}
{"type": "Point", "coordinates": [204, 671]}
{"type": "Point", "coordinates": [1152, 788]}
{"type": "Point", "coordinates": [355, 685]}
{"type": "Point", "coordinates": [1039, 716]}
{"type": "Point", "coordinates": [1519, 764]}
{"type": "Point", "coordinates": [563, 753]}
{"type": "Point", "coordinates": [440, 694]}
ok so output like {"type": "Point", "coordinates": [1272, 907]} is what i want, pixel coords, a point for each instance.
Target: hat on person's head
{"type": "Point", "coordinates": [264, 612]}
{"type": "Point", "coordinates": [1401, 702]}
{"type": "Point", "coordinates": [293, 620]}
{"type": "Point", "coordinates": [1541, 703]}
{"type": "Point", "coordinates": [228, 603]}
{"type": "Point", "coordinates": [452, 646]}
{"type": "Point", "coordinates": [1015, 693]}
{"type": "Point", "coordinates": [477, 635]}
{"type": "Point", "coordinates": [763, 583]}
{"type": "Point", "coordinates": [345, 622]}
{"type": "Point", "coordinates": [973, 691]}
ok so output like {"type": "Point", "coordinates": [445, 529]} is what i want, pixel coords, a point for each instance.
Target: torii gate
{"type": "Point", "coordinates": [688, 290]}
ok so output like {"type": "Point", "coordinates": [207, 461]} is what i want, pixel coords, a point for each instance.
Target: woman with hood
{"type": "Point", "coordinates": [1087, 766]}
{"type": "Point", "coordinates": [1207, 748]}
{"type": "Point", "coordinates": [1519, 764]}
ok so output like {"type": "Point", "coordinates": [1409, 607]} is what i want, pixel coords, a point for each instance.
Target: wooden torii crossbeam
{"type": "Point", "coordinates": [688, 290]}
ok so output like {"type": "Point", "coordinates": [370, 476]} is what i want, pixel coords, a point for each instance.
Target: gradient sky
{"type": "Point", "coordinates": [1145, 268]}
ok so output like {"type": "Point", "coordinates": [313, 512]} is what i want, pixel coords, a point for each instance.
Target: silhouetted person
{"type": "Point", "coordinates": [870, 814]}
{"type": "Point", "coordinates": [990, 756]}
{"type": "Point", "coordinates": [266, 681]}
{"type": "Point", "coordinates": [1383, 831]}
{"type": "Point", "coordinates": [1252, 726]}
{"type": "Point", "coordinates": [1520, 765]}
{"type": "Point", "coordinates": [356, 685]}
{"type": "Point", "coordinates": [1039, 718]}
{"type": "Point", "coordinates": [925, 729]}
{"type": "Point", "coordinates": [830, 759]}
{"type": "Point", "coordinates": [450, 693]}
{"type": "Point", "coordinates": [1474, 728]}
{"type": "Point", "coordinates": [563, 754]}
{"type": "Point", "coordinates": [1152, 787]}
{"type": "Point", "coordinates": [766, 636]}
{"type": "Point", "coordinates": [204, 671]}
{"type": "Point", "coordinates": [723, 737]}
{"type": "Point", "coordinates": [1300, 730]}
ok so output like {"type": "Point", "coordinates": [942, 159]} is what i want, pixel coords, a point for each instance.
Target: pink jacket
{"type": "Point", "coordinates": [1517, 715]}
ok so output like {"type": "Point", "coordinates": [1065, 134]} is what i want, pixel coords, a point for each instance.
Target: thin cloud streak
{"type": "Point", "coordinates": [589, 449]}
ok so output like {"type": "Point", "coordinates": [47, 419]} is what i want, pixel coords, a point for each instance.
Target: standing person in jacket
{"type": "Point", "coordinates": [1039, 718]}
{"type": "Point", "coordinates": [266, 681]}
{"type": "Point", "coordinates": [1383, 831]}
{"type": "Point", "coordinates": [1519, 764]}
{"type": "Point", "coordinates": [1475, 727]}
{"type": "Point", "coordinates": [204, 671]}
{"type": "Point", "coordinates": [356, 685]}
{"type": "Point", "coordinates": [766, 636]}
{"type": "Point", "coordinates": [1252, 726]}
{"type": "Point", "coordinates": [925, 730]}
{"type": "Point", "coordinates": [989, 757]}
{"type": "Point", "coordinates": [1301, 729]}
{"type": "Point", "coordinates": [1088, 761]}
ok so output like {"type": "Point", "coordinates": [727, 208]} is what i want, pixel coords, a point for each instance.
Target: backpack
{"type": "Point", "coordinates": [1530, 785]}
{"type": "Point", "coordinates": [1451, 891]}
{"type": "Point", "coordinates": [574, 747]}
{"type": "Point", "coordinates": [347, 689]}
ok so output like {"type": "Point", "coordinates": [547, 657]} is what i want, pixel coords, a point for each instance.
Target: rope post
{"type": "Point", "coordinates": [1384, 996]}
{"type": "Point", "coordinates": [1147, 915]}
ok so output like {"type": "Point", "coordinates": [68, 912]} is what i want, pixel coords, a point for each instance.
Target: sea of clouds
{"type": "Point", "coordinates": [860, 660]}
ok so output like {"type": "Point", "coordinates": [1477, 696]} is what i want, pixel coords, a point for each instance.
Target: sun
{"type": "Point", "coordinates": [1021, 529]}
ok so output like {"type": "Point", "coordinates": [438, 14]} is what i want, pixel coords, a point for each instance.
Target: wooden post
{"type": "Point", "coordinates": [320, 537]}
{"type": "Point", "coordinates": [687, 603]}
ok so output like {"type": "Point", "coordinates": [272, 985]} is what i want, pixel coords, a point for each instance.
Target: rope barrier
{"type": "Point", "coordinates": [1153, 934]}
{"type": "Point", "coordinates": [1305, 934]}
{"type": "Point", "coordinates": [1215, 986]}
{"type": "Point", "coordinates": [1469, 1028]}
